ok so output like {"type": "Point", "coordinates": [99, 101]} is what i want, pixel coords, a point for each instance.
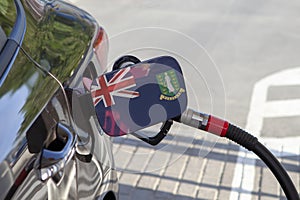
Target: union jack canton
{"type": "Point", "coordinates": [116, 86]}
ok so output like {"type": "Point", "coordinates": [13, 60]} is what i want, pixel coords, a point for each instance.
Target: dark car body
{"type": "Point", "coordinates": [51, 146]}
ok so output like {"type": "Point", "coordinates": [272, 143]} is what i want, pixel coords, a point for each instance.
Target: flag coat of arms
{"type": "Point", "coordinates": [135, 97]}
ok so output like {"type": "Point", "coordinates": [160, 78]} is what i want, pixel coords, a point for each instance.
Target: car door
{"type": "Point", "coordinates": [37, 95]}
{"type": "Point", "coordinates": [38, 142]}
{"type": "Point", "coordinates": [37, 137]}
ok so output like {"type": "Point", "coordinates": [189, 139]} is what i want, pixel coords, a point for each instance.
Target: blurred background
{"type": "Point", "coordinates": [242, 63]}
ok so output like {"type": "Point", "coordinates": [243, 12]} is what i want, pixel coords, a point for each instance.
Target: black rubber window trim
{"type": "Point", "coordinates": [7, 57]}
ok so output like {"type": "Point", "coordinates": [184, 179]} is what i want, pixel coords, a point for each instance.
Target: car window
{"type": "Point", "coordinates": [13, 24]}
{"type": "Point", "coordinates": [8, 15]}
{"type": "Point", "coordinates": [3, 38]}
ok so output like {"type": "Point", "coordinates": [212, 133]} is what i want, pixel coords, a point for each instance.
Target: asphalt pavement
{"type": "Point", "coordinates": [241, 62]}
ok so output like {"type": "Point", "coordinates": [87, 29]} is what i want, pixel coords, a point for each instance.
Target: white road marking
{"type": "Point", "coordinates": [260, 108]}
{"type": "Point", "coordinates": [287, 108]}
{"type": "Point", "coordinates": [72, 1]}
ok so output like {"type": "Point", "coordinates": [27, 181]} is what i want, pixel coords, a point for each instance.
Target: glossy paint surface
{"type": "Point", "coordinates": [59, 39]}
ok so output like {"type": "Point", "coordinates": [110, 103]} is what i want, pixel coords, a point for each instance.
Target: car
{"type": "Point", "coordinates": [51, 146]}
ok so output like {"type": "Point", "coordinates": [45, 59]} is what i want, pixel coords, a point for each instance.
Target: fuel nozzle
{"type": "Point", "coordinates": [204, 122]}
{"type": "Point", "coordinates": [194, 119]}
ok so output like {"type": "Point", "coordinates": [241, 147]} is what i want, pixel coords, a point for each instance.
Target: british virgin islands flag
{"type": "Point", "coordinates": [136, 97]}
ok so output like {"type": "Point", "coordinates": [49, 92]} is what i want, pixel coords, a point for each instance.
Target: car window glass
{"type": "Point", "coordinates": [8, 15]}
{"type": "Point", "coordinates": [3, 38]}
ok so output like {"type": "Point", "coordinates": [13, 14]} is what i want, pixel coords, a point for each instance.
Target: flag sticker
{"type": "Point", "coordinates": [169, 85]}
{"type": "Point", "coordinates": [138, 96]}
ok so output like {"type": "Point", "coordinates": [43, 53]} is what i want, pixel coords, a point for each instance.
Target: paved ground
{"type": "Point", "coordinates": [192, 177]}
{"type": "Point", "coordinates": [255, 46]}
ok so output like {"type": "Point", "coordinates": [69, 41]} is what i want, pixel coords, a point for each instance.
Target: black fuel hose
{"type": "Point", "coordinates": [251, 143]}
{"type": "Point", "coordinates": [222, 128]}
